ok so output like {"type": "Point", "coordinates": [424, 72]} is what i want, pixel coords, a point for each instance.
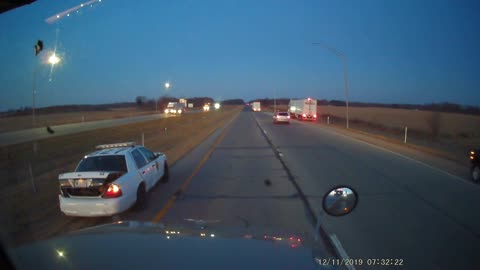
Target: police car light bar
{"type": "Point", "coordinates": [116, 145]}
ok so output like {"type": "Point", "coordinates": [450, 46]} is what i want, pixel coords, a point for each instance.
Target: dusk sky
{"type": "Point", "coordinates": [397, 51]}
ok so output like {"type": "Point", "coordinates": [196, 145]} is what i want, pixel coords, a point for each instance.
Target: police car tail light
{"type": "Point", "coordinates": [113, 191]}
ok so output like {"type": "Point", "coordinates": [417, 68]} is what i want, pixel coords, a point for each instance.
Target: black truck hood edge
{"type": "Point", "coordinates": [137, 245]}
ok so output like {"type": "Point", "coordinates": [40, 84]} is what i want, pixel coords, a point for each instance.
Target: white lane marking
{"type": "Point", "coordinates": [333, 237]}
{"type": "Point", "coordinates": [341, 251]}
{"type": "Point", "coordinates": [409, 158]}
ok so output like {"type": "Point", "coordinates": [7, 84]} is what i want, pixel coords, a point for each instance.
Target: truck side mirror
{"type": "Point", "coordinates": [340, 201]}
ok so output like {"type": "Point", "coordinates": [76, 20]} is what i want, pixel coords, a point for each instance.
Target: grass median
{"type": "Point", "coordinates": [15, 123]}
{"type": "Point", "coordinates": [29, 205]}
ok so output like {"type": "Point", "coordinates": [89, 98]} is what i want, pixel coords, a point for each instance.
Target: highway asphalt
{"type": "Point", "coordinates": [241, 184]}
{"type": "Point", "coordinates": [408, 211]}
{"type": "Point", "coordinates": [27, 135]}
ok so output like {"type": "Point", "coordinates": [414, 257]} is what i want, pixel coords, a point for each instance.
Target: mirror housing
{"type": "Point", "coordinates": [340, 201]}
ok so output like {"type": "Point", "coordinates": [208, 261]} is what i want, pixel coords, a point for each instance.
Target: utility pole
{"type": "Point", "coordinates": [38, 48]}
{"type": "Point", "coordinates": [275, 101]}
{"type": "Point", "coordinates": [345, 78]}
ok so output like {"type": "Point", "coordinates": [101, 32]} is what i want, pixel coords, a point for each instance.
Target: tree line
{"type": "Point", "coordinates": [143, 102]}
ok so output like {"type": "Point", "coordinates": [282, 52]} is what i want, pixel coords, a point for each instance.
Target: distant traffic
{"type": "Point", "coordinates": [301, 109]}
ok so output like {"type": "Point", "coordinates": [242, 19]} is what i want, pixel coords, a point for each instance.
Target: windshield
{"type": "Point", "coordinates": [103, 163]}
{"type": "Point", "coordinates": [246, 114]}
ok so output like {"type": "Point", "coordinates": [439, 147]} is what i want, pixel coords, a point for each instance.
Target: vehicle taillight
{"type": "Point", "coordinates": [288, 117]}
{"type": "Point", "coordinates": [314, 116]}
{"type": "Point", "coordinates": [304, 115]}
{"type": "Point", "coordinates": [113, 191]}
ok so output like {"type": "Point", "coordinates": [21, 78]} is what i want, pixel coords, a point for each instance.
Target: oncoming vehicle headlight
{"type": "Point", "coordinates": [166, 110]}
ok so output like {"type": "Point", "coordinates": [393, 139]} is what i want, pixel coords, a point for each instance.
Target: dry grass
{"type": "Point", "coordinates": [450, 124]}
{"type": "Point", "coordinates": [14, 123]}
{"type": "Point", "coordinates": [29, 215]}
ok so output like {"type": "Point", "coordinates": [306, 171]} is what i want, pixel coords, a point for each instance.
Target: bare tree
{"type": "Point", "coordinates": [140, 100]}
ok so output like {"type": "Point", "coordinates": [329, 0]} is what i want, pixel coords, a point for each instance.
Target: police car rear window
{"type": "Point", "coordinates": [283, 113]}
{"type": "Point", "coordinates": [103, 163]}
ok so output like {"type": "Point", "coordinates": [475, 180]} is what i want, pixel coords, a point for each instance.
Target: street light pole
{"type": "Point", "coordinates": [33, 94]}
{"type": "Point", "coordinates": [275, 101]}
{"type": "Point", "coordinates": [344, 61]}
{"type": "Point", "coordinates": [167, 86]}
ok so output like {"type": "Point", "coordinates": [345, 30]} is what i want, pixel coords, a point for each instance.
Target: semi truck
{"type": "Point", "coordinates": [303, 109]}
{"type": "Point", "coordinates": [256, 106]}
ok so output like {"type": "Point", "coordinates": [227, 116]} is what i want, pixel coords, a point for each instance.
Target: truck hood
{"type": "Point", "coordinates": [136, 245]}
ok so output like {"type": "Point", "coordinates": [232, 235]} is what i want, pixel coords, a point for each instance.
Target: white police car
{"type": "Point", "coordinates": [111, 180]}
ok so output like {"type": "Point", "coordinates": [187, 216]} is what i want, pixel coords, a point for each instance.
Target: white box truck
{"type": "Point", "coordinates": [303, 109]}
{"type": "Point", "coordinates": [256, 106]}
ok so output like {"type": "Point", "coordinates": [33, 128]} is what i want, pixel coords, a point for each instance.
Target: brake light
{"type": "Point", "coordinates": [113, 191]}
{"type": "Point", "coordinates": [314, 116]}
{"type": "Point", "coordinates": [288, 117]}
{"type": "Point", "coordinates": [304, 115]}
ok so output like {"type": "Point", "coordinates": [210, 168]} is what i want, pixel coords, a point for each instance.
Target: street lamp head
{"type": "Point", "coordinates": [167, 85]}
{"type": "Point", "coordinates": [53, 59]}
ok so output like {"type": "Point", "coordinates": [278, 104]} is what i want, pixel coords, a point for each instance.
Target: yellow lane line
{"type": "Point", "coordinates": [172, 200]}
